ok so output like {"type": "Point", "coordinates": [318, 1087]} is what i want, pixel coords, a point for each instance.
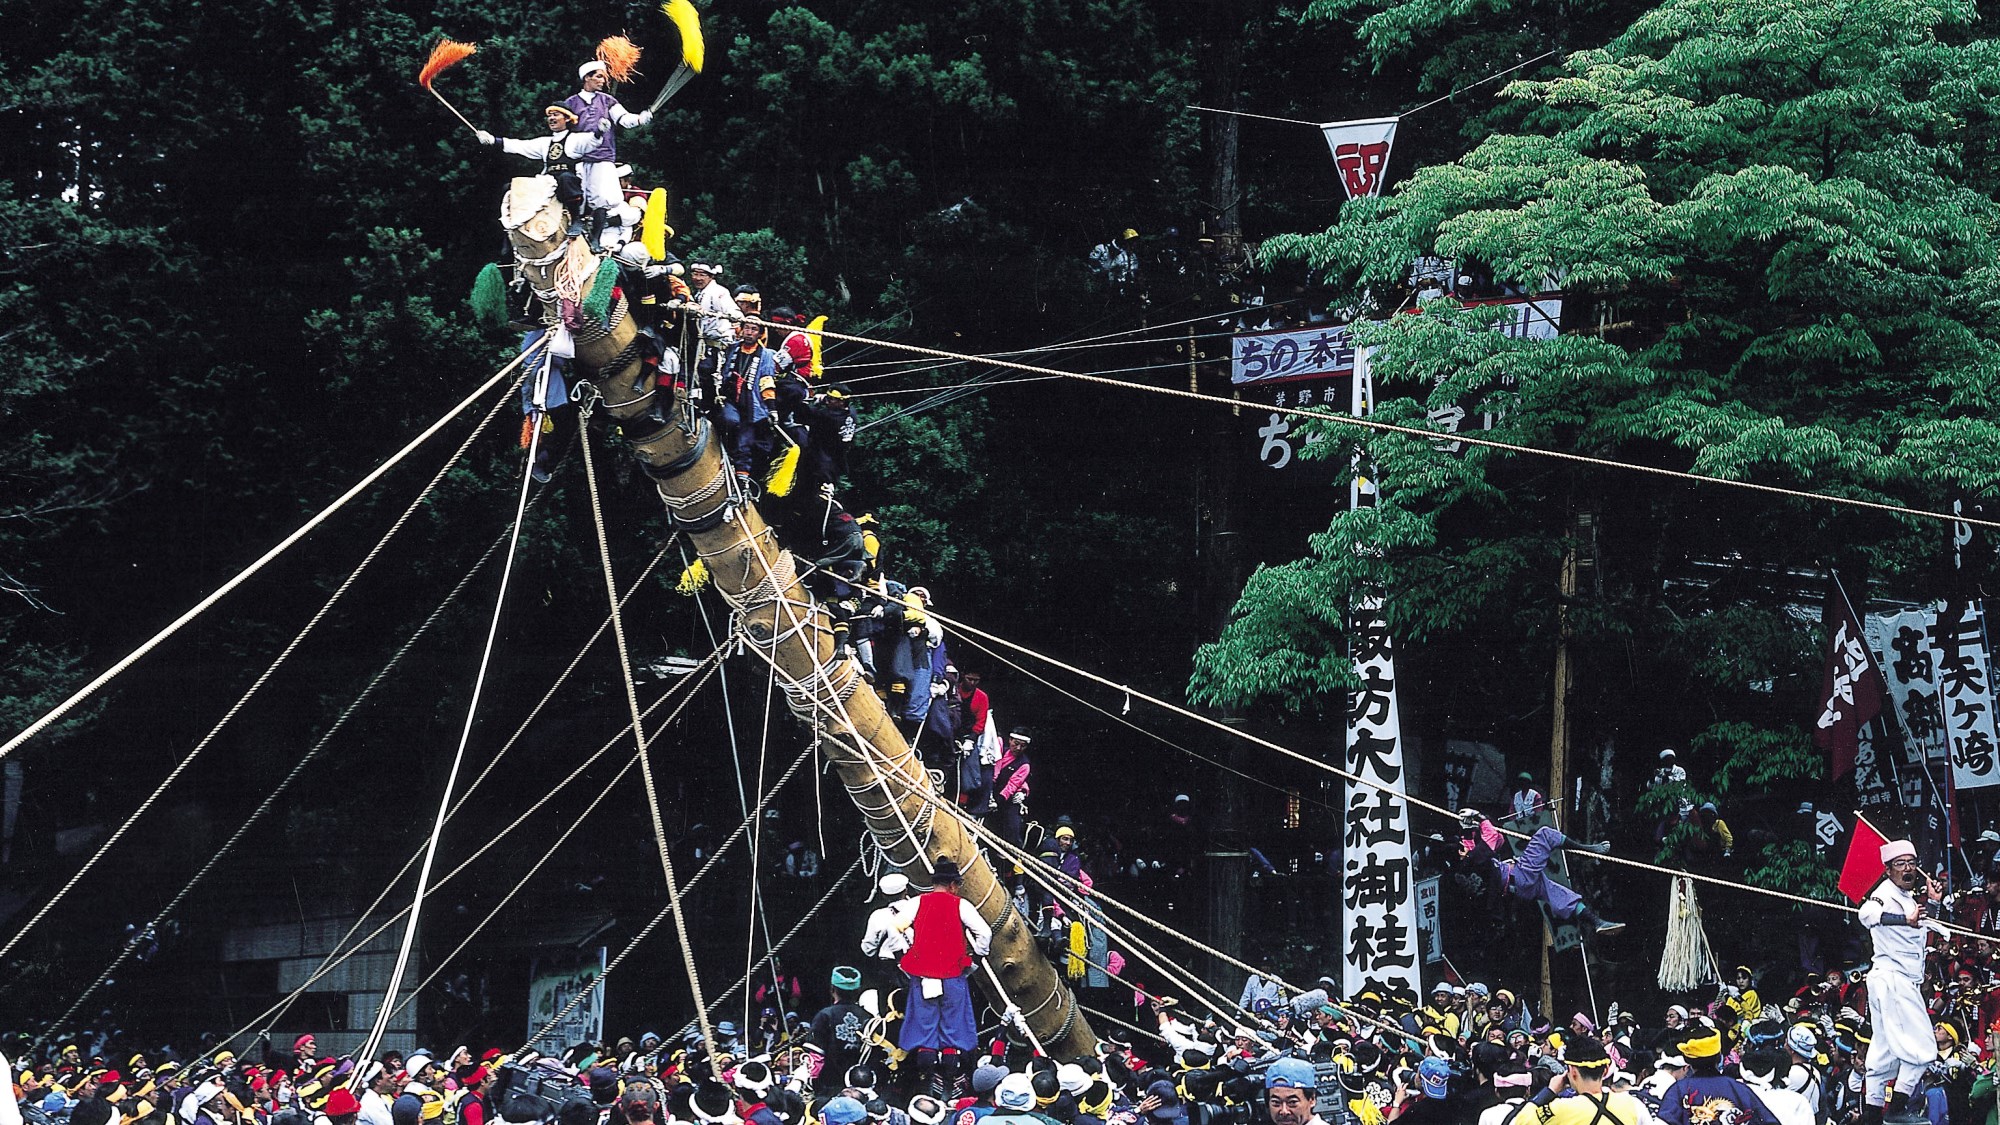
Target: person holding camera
{"type": "Point", "coordinates": [1585, 1066]}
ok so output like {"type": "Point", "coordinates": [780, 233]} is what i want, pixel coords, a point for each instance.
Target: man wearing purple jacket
{"type": "Point", "coordinates": [602, 198]}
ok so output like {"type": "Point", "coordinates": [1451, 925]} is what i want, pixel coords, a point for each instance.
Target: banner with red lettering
{"type": "Point", "coordinates": [1361, 153]}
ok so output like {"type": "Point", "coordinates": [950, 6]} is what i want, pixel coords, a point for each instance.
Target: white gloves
{"type": "Point", "coordinates": [645, 117]}
{"type": "Point", "coordinates": [485, 137]}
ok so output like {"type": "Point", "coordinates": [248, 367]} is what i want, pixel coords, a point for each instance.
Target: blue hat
{"type": "Point", "coordinates": [1435, 1074]}
{"type": "Point", "coordinates": [844, 1111]}
{"type": "Point", "coordinates": [1296, 1073]}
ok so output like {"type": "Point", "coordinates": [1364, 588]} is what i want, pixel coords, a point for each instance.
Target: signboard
{"type": "Point", "coordinates": [1361, 153]}
{"type": "Point", "coordinates": [1901, 643]}
{"type": "Point", "coordinates": [1958, 646]}
{"type": "Point", "coordinates": [1430, 921]}
{"type": "Point", "coordinates": [1291, 355]}
{"type": "Point", "coordinates": [556, 981]}
{"type": "Point", "coordinates": [1378, 897]}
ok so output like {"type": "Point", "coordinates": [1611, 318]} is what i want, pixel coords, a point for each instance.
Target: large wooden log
{"type": "Point", "coordinates": [877, 767]}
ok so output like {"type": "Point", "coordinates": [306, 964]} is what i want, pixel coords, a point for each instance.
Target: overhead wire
{"type": "Point", "coordinates": [1377, 426]}
{"type": "Point", "coordinates": [256, 685]}
{"type": "Point", "coordinates": [86, 691]}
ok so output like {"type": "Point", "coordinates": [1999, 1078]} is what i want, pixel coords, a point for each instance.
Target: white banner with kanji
{"type": "Point", "coordinates": [1361, 153]}
{"type": "Point", "coordinates": [1378, 896]}
{"type": "Point", "coordinates": [1901, 642]}
{"type": "Point", "coordinates": [1965, 689]}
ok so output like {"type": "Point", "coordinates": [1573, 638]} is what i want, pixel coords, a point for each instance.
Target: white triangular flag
{"type": "Point", "coordinates": [1361, 152]}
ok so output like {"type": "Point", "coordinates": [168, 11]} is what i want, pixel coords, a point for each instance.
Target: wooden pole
{"type": "Point", "coordinates": [876, 767]}
{"type": "Point", "coordinates": [1559, 738]}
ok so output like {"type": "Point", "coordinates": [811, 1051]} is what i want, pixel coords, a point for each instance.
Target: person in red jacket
{"type": "Point", "coordinates": [946, 933]}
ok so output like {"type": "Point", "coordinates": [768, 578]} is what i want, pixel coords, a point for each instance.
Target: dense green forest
{"type": "Point", "coordinates": [240, 237]}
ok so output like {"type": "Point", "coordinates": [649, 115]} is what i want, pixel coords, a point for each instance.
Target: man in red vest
{"type": "Point", "coordinates": [946, 933]}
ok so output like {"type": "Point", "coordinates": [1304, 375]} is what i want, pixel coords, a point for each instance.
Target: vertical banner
{"type": "Point", "coordinates": [1430, 920]}
{"type": "Point", "coordinates": [1902, 647]}
{"type": "Point", "coordinates": [1851, 688]}
{"type": "Point", "coordinates": [1380, 944]}
{"type": "Point", "coordinates": [1361, 153]}
{"type": "Point", "coordinates": [555, 983]}
{"type": "Point", "coordinates": [1965, 691]}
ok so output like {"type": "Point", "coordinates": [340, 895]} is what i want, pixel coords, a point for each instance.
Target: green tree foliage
{"type": "Point", "coordinates": [1774, 230]}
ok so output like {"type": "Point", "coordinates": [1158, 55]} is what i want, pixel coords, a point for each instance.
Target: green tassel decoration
{"type": "Point", "coordinates": [489, 297]}
{"type": "Point", "coordinates": [597, 305]}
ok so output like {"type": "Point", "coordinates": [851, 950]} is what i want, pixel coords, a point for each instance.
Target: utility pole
{"type": "Point", "coordinates": [1218, 28]}
{"type": "Point", "coordinates": [1559, 736]}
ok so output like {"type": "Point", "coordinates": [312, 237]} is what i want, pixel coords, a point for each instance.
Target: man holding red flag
{"type": "Point", "coordinates": [1904, 1044]}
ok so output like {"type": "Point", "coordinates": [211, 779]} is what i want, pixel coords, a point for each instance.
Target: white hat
{"type": "Point", "coordinates": [706, 267]}
{"type": "Point", "coordinates": [621, 170]}
{"type": "Point", "coordinates": [634, 253]}
{"type": "Point", "coordinates": [894, 883]}
{"type": "Point", "coordinates": [591, 67]}
{"type": "Point", "coordinates": [1898, 849]}
{"type": "Point", "coordinates": [1667, 753]}
{"type": "Point", "coordinates": [1072, 1078]}
{"type": "Point", "coordinates": [415, 1064]}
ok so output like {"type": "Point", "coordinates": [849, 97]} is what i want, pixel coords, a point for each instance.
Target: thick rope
{"type": "Point", "coordinates": [638, 728]}
{"type": "Point", "coordinates": [243, 700]}
{"type": "Point", "coordinates": [86, 691]}
{"type": "Point", "coordinates": [1416, 432]}
{"type": "Point", "coordinates": [575, 823]}
{"type": "Point", "coordinates": [318, 744]}
{"type": "Point", "coordinates": [498, 756]}
{"type": "Point", "coordinates": [340, 956]}
{"type": "Point", "coordinates": [369, 1045]}
{"type": "Point", "coordinates": [645, 931]}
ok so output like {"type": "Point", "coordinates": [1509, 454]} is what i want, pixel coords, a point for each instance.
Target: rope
{"type": "Point", "coordinates": [553, 848]}
{"type": "Point", "coordinates": [646, 930]}
{"type": "Point", "coordinates": [338, 957]}
{"type": "Point", "coordinates": [1418, 802]}
{"type": "Point", "coordinates": [757, 846]}
{"type": "Point", "coordinates": [638, 728]}
{"type": "Point", "coordinates": [319, 744]}
{"type": "Point", "coordinates": [251, 692]}
{"type": "Point", "coordinates": [499, 755]}
{"type": "Point", "coordinates": [86, 691]}
{"type": "Point", "coordinates": [1426, 435]}
{"type": "Point", "coordinates": [374, 1039]}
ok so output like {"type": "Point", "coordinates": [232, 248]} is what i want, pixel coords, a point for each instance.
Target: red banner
{"type": "Point", "coordinates": [1863, 866]}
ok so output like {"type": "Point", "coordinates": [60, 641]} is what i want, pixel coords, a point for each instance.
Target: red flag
{"type": "Point", "coordinates": [1851, 690]}
{"type": "Point", "coordinates": [1863, 866]}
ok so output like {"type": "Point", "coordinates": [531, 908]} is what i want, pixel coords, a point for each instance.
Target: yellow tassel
{"type": "Point", "coordinates": [784, 474]}
{"type": "Point", "coordinates": [692, 579]}
{"type": "Point", "coordinates": [1078, 945]}
{"type": "Point", "coordinates": [814, 339]}
{"type": "Point", "coordinates": [653, 225]}
{"type": "Point", "coordinates": [688, 22]}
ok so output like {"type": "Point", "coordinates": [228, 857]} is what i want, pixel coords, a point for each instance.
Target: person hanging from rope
{"type": "Point", "coordinates": [561, 154]}
{"type": "Point", "coordinates": [1896, 911]}
{"type": "Point", "coordinates": [946, 934]}
{"type": "Point", "coordinates": [1526, 875]}
{"type": "Point", "coordinates": [593, 105]}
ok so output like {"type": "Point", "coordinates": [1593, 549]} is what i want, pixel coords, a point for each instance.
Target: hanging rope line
{"type": "Point", "coordinates": [714, 858]}
{"type": "Point", "coordinates": [585, 405]}
{"type": "Point", "coordinates": [86, 691]}
{"type": "Point", "coordinates": [340, 955]}
{"type": "Point", "coordinates": [499, 755]}
{"type": "Point", "coordinates": [1417, 802]}
{"type": "Point", "coordinates": [366, 1053]}
{"type": "Point", "coordinates": [249, 693]}
{"type": "Point", "coordinates": [1378, 426]}
{"type": "Point", "coordinates": [312, 752]}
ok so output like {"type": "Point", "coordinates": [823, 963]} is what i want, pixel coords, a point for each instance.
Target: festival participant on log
{"type": "Point", "coordinates": [1904, 1045]}
{"type": "Point", "coordinates": [598, 167]}
{"type": "Point", "coordinates": [1527, 874]}
{"type": "Point", "coordinates": [946, 933]}
{"type": "Point", "coordinates": [561, 154]}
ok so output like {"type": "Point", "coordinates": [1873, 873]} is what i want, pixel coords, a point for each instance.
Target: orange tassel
{"type": "Point", "coordinates": [527, 430]}
{"type": "Point", "coordinates": [447, 53]}
{"type": "Point", "coordinates": [619, 56]}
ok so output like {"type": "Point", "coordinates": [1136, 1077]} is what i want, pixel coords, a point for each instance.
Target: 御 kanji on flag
{"type": "Point", "coordinates": [1850, 693]}
{"type": "Point", "coordinates": [1361, 152]}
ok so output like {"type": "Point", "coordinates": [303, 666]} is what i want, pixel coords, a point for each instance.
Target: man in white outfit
{"type": "Point", "coordinates": [885, 937]}
{"type": "Point", "coordinates": [1904, 1044]}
